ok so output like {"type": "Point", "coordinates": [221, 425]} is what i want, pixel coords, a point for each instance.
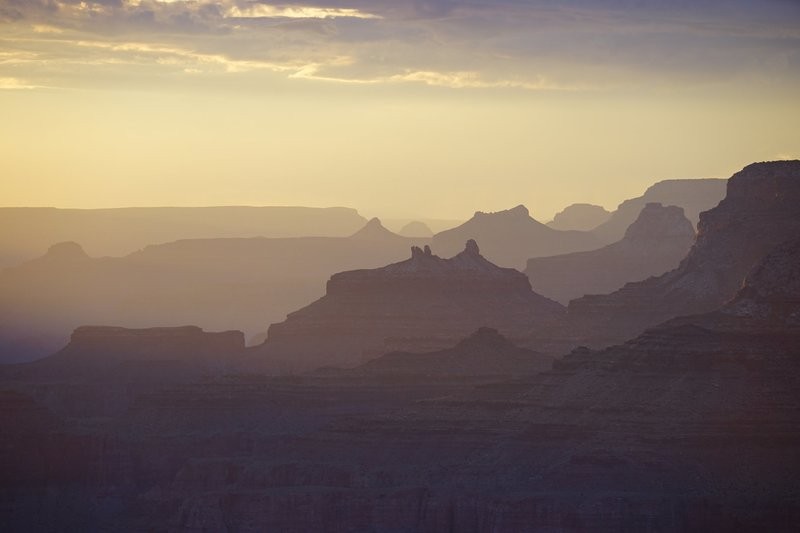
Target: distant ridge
{"type": "Point", "coordinates": [580, 217]}
{"type": "Point", "coordinates": [24, 232]}
{"type": "Point", "coordinates": [760, 211]}
{"type": "Point", "coordinates": [693, 195]}
{"type": "Point", "coordinates": [656, 242]}
{"type": "Point", "coordinates": [509, 238]}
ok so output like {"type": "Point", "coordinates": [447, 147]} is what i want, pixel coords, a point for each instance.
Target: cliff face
{"type": "Point", "coordinates": [509, 238]}
{"type": "Point", "coordinates": [761, 210]}
{"type": "Point", "coordinates": [655, 243]}
{"type": "Point", "coordinates": [693, 195]}
{"type": "Point", "coordinates": [759, 327]}
{"type": "Point", "coordinates": [421, 303]}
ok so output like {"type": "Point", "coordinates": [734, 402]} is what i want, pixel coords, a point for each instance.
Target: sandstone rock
{"type": "Point", "coordinates": [655, 243]}
{"type": "Point", "coordinates": [693, 195]}
{"type": "Point", "coordinates": [425, 302]}
{"type": "Point", "coordinates": [581, 217]}
{"type": "Point", "coordinates": [509, 238]}
{"type": "Point", "coordinates": [761, 210]}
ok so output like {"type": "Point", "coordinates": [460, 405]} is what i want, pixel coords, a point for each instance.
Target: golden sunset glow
{"type": "Point", "coordinates": [394, 108]}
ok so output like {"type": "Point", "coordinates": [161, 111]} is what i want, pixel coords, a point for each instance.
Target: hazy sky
{"type": "Point", "coordinates": [398, 108]}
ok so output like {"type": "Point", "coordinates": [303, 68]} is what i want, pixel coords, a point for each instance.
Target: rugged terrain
{"type": "Point", "coordinates": [509, 238]}
{"type": "Point", "coordinates": [655, 243]}
{"type": "Point", "coordinates": [761, 210]}
{"type": "Point", "coordinates": [421, 303]}
{"type": "Point", "coordinates": [217, 284]}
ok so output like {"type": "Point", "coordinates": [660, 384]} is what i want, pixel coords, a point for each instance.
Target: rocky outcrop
{"type": "Point", "coordinates": [485, 353]}
{"type": "Point", "coordinates": [425, 302]}
{"type": "Point", "coordinates": [693, 195]}
{"type": "Point", "coordinates": [760, 211]}
{"type": "Point", "coordinates": [509, 238]}
{"type": "Point", "coordinates": [581, 217]}
{"type": "Point", "coordinates": [655, 243]}
{"type": "Point", "coordinates": [759, 326]}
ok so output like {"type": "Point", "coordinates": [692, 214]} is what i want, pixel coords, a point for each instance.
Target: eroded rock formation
{"type": "Point", "coordinates": [760, 211]}
{"type": "Point", "coordinates": [425, 302]}
{"type": "Point", "coordinates": [655, 243]}
{"type": "Point", "coordinates": [509, 238]}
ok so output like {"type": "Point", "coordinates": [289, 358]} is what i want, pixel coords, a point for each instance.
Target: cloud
{"type": "Point", "coordinates": [515, 44]}
{"type": "Point", "coordinates": [17, 84]}
{"type": "Point", "coordinates": [295, 12]}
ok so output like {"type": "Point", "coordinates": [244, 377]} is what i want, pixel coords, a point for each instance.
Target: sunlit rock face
{"type": "Point", "coordinates": [425, 302]}
{"type": "Point", "coordinates": [656, 242]}
{"type": "Point", "coordinates": [760, 211]}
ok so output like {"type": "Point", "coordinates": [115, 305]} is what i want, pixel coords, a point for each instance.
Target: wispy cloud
{"type": "Point", "coordinates": [296, 12]}
{"type": "Point", "coordinates": [17, 84]}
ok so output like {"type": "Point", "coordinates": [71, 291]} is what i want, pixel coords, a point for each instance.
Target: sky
{"type": "Point", "coordinates": [426, 108]}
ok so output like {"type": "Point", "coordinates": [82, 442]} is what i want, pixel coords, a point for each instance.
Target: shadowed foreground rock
{"type": "Point", "coordinates": [760, 211]}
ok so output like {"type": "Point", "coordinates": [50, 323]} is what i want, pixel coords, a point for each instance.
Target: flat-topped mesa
{"type": "Point", "coordinates": [760, 211]}
{"type": "Point", "coordinates": [425, 302]}
{"type": "Point", "coordinates": [151, 344]}
{"type": "Point", "coordinates": [519, 211]}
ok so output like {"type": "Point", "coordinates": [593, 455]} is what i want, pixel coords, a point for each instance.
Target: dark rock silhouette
{"type": "Point", "coordinates": [217, 284]}
{"type": "Point", "coordinates": [761, 210]}
{"type": "Point", "coordinates": [656, 242]}
{"type": "Point", "coordinates": [424, 302]}
{"type": "Point", "coordinates": [693, 195]}
{"type": "Point", "coordinates": [509, 238]}
{"type": "Point", "coordinates": [25, 232]}
{"type": "Point", "coordinates": [580, 217]}
{"type": "Point", "coordinates": [484, 353]}
{"type": "Point", "coordinates": [415, 228]}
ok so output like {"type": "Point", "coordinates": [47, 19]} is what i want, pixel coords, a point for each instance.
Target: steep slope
{"type": "Point", "coordinates": [655, 243]}
{"type": "Point", "coordinates": [581, 217]}
{"type": "Point", "coordinates": [693, 195]}
{"type": "Point", "coordinates": [423, 302]}
{"type": "Point", "coordinates": [761, 210]}
{"type": "Point", "coordinates": [509, 238]}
